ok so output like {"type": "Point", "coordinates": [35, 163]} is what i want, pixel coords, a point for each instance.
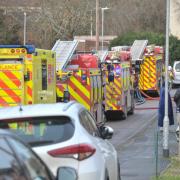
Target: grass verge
{"type": "Point", "coordinates": [172, 172]}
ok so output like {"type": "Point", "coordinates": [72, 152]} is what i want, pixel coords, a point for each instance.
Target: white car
{"type": "Point", "coordinates": [176, 70]}
{"type": "Point", "coordinates": [65, 134]}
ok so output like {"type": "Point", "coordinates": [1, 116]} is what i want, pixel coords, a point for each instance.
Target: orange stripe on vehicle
{"type": "Point", "coordinates": [113, 88]}
{"type": "Point", "coordinates": [118, 83]}
{"type": "Point", "coordinates": [81, 87]}
{"type": "Point", "coordinates": [3, 102]}
{"type": "Point", "coordinates": [146, 77]}
{"type": "Point", "coordinates": [10, 92]}
{"type": "Point", "coordinates": [79, 91]}
{"type": "Point", "coordinates": [29, 91]}
{"type": "Point", "coordinates": [13, 78]}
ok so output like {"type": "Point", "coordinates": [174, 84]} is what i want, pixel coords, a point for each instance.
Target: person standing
{"type": "Point", "coordinates": [161, 111]}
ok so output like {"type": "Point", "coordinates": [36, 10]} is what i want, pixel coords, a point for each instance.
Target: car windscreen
{"type": "Point", "coordinates": [177, 67]}
{"type": "Point", "coordinates": [39, 131]}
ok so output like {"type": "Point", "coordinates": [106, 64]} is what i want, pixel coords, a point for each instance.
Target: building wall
{"type": "Point", "coordinates": [175, 18]}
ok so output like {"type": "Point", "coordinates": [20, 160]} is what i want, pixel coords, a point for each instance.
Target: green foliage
{"type": "Point", "coordinates": [153, 38]}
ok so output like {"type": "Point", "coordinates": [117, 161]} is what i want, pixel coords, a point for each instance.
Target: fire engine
{"type": "Point", "coordinates": [151, 69]}
{"type": "Point", "coordinates": [27, 75]}
{"type": "Point", "coordinates": [78, 77]}
{"type": "Point", "coordinates": [118, 87]}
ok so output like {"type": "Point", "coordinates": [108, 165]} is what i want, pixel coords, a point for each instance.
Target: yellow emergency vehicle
{"type": "Point", "coordinates": [151, 69]}
{"type": "Point", "coordinates": [118, 87]}
{"type": "Point", "coordinates": [82, 84]}
{"type": "Point", "coordinates": [27, 75]}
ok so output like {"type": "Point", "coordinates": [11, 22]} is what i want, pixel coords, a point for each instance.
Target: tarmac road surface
{"type": "Point", "coordinates": [136, 140]}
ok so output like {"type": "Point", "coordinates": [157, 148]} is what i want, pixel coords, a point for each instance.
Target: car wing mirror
{"type": "Point", "coordinates": [107, 132]}
{"type": "Point", "coordinates": [66, 173]}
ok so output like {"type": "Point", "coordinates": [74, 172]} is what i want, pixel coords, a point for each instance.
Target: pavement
{"type": "Point", "coordinates": [140, 149]}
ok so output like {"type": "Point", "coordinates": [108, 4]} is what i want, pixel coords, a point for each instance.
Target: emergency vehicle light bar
{"type": "Point", "coordinates": [30, 48]}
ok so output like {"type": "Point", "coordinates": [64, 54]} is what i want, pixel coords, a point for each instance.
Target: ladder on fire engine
{"type": "Point", "coordinates": [64, 52]}
{"type": "Point", "coordinates": [137, 50]}
{"type": "Point", "coordinates": [102, 55]}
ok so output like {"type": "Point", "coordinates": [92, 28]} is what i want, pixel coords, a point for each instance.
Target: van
{"type": "Point", "coordinates": [176, 70]}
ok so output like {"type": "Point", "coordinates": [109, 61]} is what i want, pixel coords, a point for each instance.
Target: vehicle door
{"type": "Point", "coordinates": [106, 149]}
{"type": "Point", "coordinates": [11, 82]}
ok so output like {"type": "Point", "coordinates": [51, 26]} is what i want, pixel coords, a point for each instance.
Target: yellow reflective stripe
{"type": "Point", "coordinates": [8, 81]}
{"type": "Point", "coordinates": [6, 97]}
{"type": "Point", "coordinates": [79, 99]}
{"type": "Point", "coordinates": [109, 90]}
{"type": "Point", "coordinates": [112, 106]}
{"type": "Point", "coordinates": [88, 81]}
{"type": "Point", "coordinates": [59, 92]}
{"type": "Point", "coordinates": [83, 89]}
{"type": "Point", "coordinates": [117, 82]}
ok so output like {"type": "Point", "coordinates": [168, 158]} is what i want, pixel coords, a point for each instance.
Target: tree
{"type": "Point", "coordinates": [8, 30]}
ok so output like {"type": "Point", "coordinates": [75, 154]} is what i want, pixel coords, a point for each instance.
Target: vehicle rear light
{"type": "Point", "coordinates": [78, 151]}
{"type": "Point", "coordinates": [23, 50]}
{"type": "Point", "coordinates": [29, 102]}
{"type": "Point", "coordinates": [18, 50]}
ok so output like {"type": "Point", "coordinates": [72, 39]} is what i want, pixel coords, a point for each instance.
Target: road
{"type": "Point", "coordinates": [135, 140]}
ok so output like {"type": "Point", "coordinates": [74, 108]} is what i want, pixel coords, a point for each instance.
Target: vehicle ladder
{"type": "Point", "coordinates": [64, 52]}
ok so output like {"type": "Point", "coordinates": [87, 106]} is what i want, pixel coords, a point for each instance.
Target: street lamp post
{"type": "Point", "coordinates": [91, 25]}
{"type": "Point", "coordinates": [102, 11]}
{"type": "Point", "coordinates": [24, 28]}
{"type": "Point", "coordinates": [97, 25]}
{"type": "Point", "coordinates": [166, 118]}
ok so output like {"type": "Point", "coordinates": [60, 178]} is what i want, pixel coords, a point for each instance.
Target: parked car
{"type": "Point", "coordinates": [19, 162]}
{"type": "Point", "coordinates": [176, 70]}
{"type": "Point", "coordinates": [65, 134]}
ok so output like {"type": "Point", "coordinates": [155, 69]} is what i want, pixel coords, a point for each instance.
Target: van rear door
{"type": "Point", "coordinates": [11, 82]}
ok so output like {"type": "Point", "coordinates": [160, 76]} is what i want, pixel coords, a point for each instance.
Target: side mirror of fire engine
{"type": "Point", "coordinates": [111, 76]}
{"type": "Point", "coordinates": [69, 74]}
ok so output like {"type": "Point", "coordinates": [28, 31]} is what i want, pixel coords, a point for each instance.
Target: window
{"type": "Point", "coordinates": [9, 165]}
{"type": "Point", "coordinates": [177, 67]}
{"type": "Point", "coordinates": [88, 123]}
{"type": "Point", "coordinates": [44, 75]}
{"type": "Point", "coordinates": [35, 168]}
{"type": "Point", "coordinates": [40, 130]}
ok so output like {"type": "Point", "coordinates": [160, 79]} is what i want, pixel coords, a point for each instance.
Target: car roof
{"type": "Point", "coordinates": [37, 110]}
{"type": "Point", "coordinates": [5, 132]}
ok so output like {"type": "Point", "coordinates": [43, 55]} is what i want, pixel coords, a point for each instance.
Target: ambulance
{"type": "Point", "coordinates": [27, 75]}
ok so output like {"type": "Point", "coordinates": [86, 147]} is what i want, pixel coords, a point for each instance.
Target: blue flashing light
{"type": "Point", "coordinates": [118, 70]}
{"type": "Point", "coordinates": [30, 48]}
